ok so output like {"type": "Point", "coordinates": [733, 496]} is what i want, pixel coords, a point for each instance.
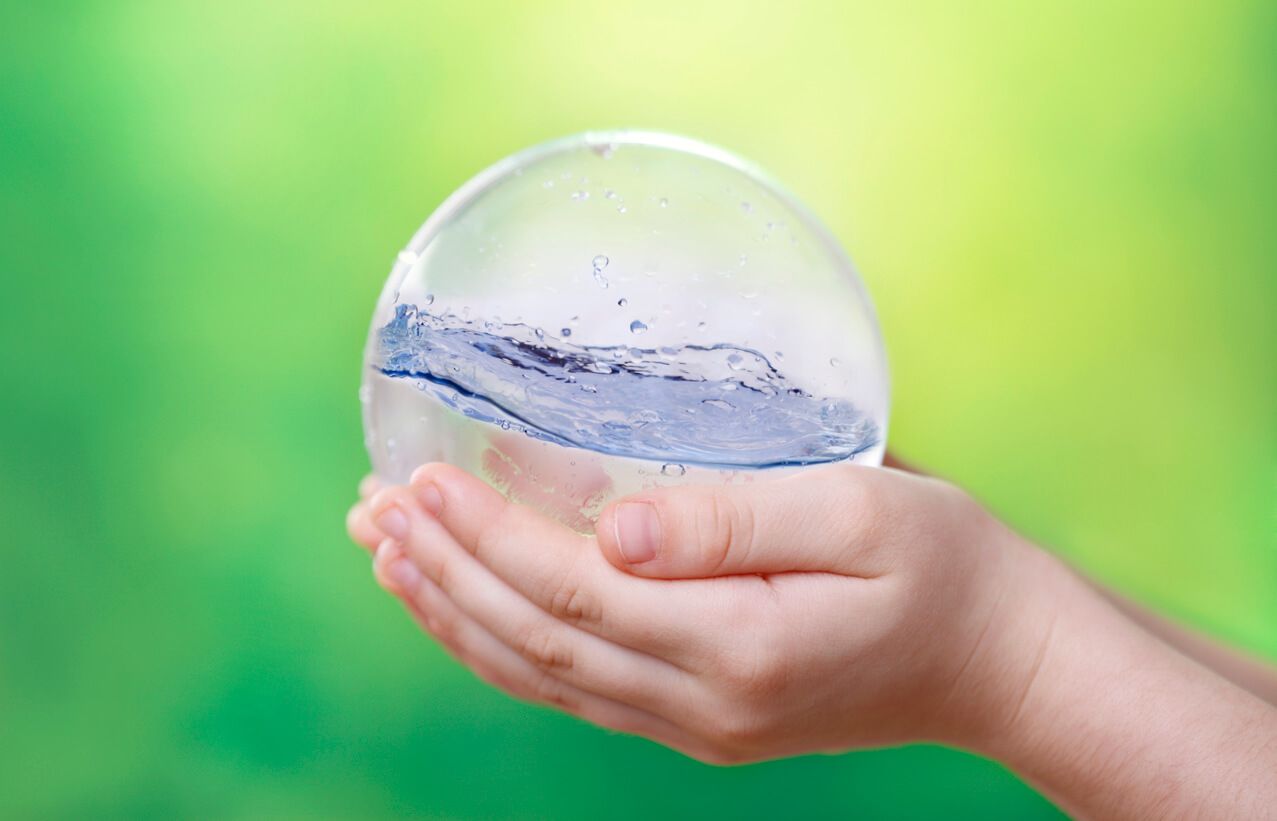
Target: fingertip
{"type": "Point", "coordinates": [369, 485]}
{"type": "Point", "coordinates": [453, 496]}
{"type": "Point", "coordinates": [360, 527]}
{"type": "Point", "coordinates": [393, 570]}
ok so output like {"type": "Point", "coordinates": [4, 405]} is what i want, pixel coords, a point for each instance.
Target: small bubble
{"type": "Point", "coordinates": [735, 361]}
{"type": "Point", "coordinates": [581, 195]}
{"type": "Point", "coordinates": [835, 362]}
{"type": "Point", "coordinates": [609, 193]}
{"type": "Point", "coordinates": [622, 302]}
{"type": "Point", "coordinates": [673, 470]}
{"type": "Point", "coordinates": [700, 326]}
{"type": "Point", "coordinates": [565, 332]}
{"type": "Point", "coordinates": [599, 278]}
{"type": "Point", "coordinates": [540, 333]}
{"type": "Point", "coordinates": [664, 203]}
{"type": "Point", "coordinates": [621, 209]}
{"type": "Point", "coordinates": [600, 262]}
{"type": "Point", "coordinates": [637, 327]}
{"type": "Point", "coordinates": [430, 299]}
{"type": "Point", "coordinates": [589, 388]}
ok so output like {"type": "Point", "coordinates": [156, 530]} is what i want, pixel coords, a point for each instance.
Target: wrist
{"type": "Point", "coordinates": [1108, 720]}
{"type": "Point", "coordinates": [1028, 600]}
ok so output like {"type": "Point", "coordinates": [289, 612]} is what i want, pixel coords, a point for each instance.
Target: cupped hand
{"type": "Point", "coordinates": [835, 608]}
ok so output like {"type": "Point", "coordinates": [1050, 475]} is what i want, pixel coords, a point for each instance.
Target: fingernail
{"type": "Point", "coordinates": [404, 575]}
{"type": "Point", "coordinates": [392, 522]}
{"type": "Point", "coordinates": [638, 531]}
{"type": "Point", "coordinates": [431, 499]}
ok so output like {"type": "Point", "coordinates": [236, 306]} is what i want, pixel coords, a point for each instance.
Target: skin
{"type": "Point", "coordinates": [835, 609]}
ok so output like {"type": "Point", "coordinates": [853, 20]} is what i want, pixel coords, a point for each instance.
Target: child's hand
{"type": "Point", "coordinates": [839, 607]}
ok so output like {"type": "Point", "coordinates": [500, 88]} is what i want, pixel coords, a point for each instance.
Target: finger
{"type": "Point", "coordinates": [559, 570]}
{"type": "Point", "coordinates": [572, 655]}
{"type": "Point", "coordinates": [360, 527]}
{"type": "Point", "coordinates": [502, 667]}
{"type": "Point", "coordinates": [830, 519]}
{"type": "Point", "coordinates": [890, 460]}
{"type": "Point", "coordinates": [369, 485]}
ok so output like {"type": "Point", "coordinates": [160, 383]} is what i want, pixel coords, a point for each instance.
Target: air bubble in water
{"type": "Point", "coordinates": [622, 302]}
{"type": "Point", "coordinates": [565, 332]}
{"type": "Point", "coordinates": [581, 195]}
{"type": "Point", "coordinates": [673, 470]}
{"type": "Point", "coordinates": [637, 327]}
{"type": "Point", "coordinates": [600, 262]}
{"type": "Point", "coordinates": [835, 362]}
{"type": "Point", "coordinates": [664, 203]}
{"type": "Point", "coordinates": [430, 299]}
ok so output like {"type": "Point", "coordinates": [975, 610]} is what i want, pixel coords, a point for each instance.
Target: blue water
{"type": "Point", "coordinates": [719, 406]}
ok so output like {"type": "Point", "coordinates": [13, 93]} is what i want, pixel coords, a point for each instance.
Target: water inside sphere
{"type": "Point", "coordinates": [616, 311]}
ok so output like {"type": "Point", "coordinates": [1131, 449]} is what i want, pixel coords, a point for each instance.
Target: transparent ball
{"type": "Point", "coordinates": [615, 311]}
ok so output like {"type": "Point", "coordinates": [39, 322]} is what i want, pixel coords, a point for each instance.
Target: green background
{"type": "Point", "coordinates": [1066, 219]}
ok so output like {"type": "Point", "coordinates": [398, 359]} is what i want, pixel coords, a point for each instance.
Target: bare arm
{"type": "Point", "coordinates": [1241, 669]}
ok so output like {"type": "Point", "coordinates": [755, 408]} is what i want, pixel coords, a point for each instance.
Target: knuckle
{"type": "Point", "coordinates": [736, 731]}
{"type": "Point", "coordinates": [549, 690]}
{"type": "Point", "coordinates": [545, 649]}
{"type": "Point", "coordinates": [724, 530]}
{"type": "Point", "coordinates": [572, 603]}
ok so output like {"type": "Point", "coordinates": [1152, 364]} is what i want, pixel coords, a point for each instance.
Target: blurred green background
{"type": "Point", "coordinates": [1065, 218]}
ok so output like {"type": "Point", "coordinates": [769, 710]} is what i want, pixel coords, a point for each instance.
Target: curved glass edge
{"type": "Point", "coordinates": [605, 140]}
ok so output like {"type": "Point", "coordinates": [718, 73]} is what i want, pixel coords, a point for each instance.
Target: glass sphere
{"type": "Point", "coordinates": [614, 311]}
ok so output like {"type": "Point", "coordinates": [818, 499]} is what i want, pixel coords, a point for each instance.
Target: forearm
{"type": "Point", "coordinates": [1244, 671]}
{"type": "Point", "coordinates": [1116, 724]}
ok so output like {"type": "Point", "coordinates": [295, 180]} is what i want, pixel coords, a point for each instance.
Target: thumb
{"type": "Point", "coordinates": [827, 519]}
